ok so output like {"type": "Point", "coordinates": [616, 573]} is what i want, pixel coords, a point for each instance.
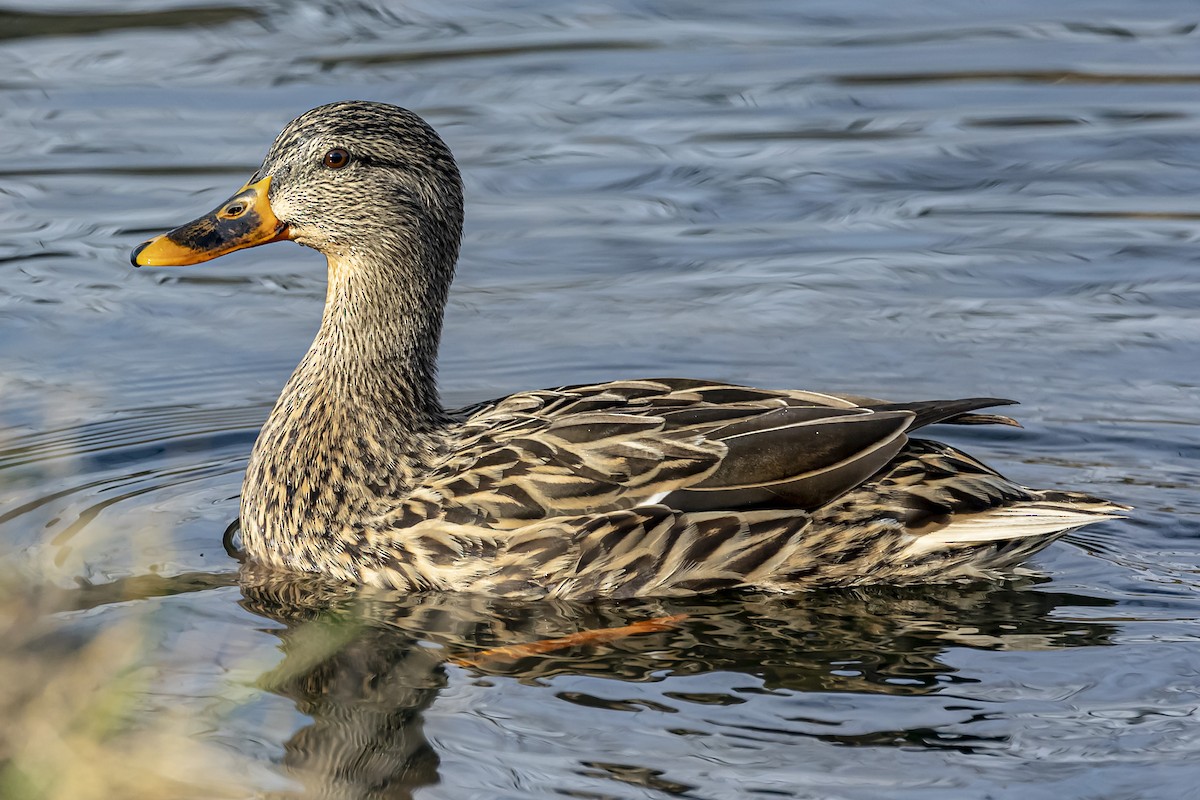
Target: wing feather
{"type": "Point", "coordinates": [692, 445]}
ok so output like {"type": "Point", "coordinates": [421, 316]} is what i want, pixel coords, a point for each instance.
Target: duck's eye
{"type": "Point", "coordinates": [336, 158]}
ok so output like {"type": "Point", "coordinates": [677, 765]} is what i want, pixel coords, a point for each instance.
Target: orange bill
{"type": "Point", "coordinates": [244, 220]}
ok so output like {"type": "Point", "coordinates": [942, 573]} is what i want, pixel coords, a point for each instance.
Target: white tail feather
{"type": "Point", "coordinates": [1023, 521]}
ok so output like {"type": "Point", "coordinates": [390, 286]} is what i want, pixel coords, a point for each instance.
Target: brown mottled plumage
{"type": "Point", "coordinates": [623, 489]}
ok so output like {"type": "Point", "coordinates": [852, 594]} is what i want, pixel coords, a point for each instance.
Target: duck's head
{"type": "Point", "coordinates": [361, 182]}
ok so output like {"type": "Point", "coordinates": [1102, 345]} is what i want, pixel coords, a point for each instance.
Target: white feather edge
{"type": "Point", "coordinates": [1013, 522]}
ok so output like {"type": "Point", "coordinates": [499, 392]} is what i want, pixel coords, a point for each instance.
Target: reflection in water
{"type": "Point", "coordinates": [366, 666]}
{"type": "Point", "coordinates": [365, 690]}
{"type": "Point", "coordinates": [30, 24]}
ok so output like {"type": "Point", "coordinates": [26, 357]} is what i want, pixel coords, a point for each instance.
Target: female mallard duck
{"type": "Point", "coordinates": [623, 489]}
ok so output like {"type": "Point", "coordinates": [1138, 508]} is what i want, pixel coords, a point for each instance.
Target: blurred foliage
{"type": "Point", "coordinates": [70, 701]}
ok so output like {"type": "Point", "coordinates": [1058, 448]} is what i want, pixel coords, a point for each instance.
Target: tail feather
{"type": "Point", "coordinates": [1041, 519]}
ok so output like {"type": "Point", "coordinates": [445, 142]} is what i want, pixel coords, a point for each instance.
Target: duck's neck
{"type": "Point", "coordinates": [358, 424]}
{"type": "Point", "coordinates": [376, 350]}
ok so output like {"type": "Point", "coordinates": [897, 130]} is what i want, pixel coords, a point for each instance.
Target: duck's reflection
{"type": "Point", "coordinates": [366, 667]}
{"type": "Point", "coordinates": [365, 694]}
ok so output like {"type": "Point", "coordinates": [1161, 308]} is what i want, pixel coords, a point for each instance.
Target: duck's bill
{"type": "Point", "coordinates": [244, 220]}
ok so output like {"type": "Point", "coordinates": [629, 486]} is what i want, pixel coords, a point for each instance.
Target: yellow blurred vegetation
{"type": "Point", "coordinates": [72, 726]}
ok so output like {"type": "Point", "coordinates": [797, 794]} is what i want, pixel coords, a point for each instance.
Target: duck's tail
{"type": "Point", "coordinates": [1001, 537]}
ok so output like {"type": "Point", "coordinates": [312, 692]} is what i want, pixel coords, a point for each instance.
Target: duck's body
{"type": "Point", "coordinates": [631, 488]}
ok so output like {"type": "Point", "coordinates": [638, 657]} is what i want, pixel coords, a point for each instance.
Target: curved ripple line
{"type": "Point", "coordinates": [166, 425]}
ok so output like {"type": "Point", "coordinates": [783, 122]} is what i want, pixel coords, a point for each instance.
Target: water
{"type": "Point", "coordinates": [902, 200]}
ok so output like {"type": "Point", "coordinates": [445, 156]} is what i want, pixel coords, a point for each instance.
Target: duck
{"type": "Point", "coordinates": [658, 487]}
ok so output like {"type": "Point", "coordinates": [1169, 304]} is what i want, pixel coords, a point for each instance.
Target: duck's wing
{"type": "Point", "coordinates": [688, 445]}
